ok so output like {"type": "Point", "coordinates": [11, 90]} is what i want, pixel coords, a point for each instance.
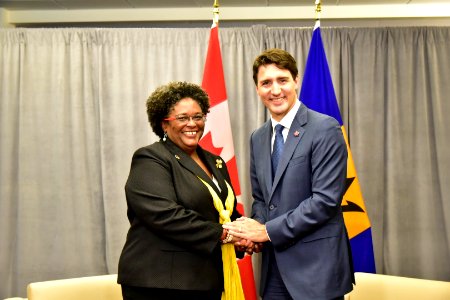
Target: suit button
{"type": "Point", "coordinates": [271, 207]}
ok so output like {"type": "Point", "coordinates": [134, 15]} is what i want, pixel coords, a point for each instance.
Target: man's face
{"type": "Point", "coordinates": [277, 90]}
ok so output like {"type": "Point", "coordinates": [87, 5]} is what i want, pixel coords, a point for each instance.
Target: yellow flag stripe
{"type": "Point", "coordinates": [355, 221]}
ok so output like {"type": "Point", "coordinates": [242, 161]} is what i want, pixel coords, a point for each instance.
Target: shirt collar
{"type": "Point", "coordinates": [288, 118]}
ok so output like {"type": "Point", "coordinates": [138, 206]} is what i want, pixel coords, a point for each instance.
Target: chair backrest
{"type": "Point", "coordinates": [386, 287]}
{"type": "Point", "coordinates": [102, 287]}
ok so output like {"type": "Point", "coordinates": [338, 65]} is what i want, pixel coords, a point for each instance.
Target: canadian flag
{"type": "Point", "coordinates": [217, 138]}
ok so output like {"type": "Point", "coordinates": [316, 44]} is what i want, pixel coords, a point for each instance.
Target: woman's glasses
{"type": "Point", "coordinates": [184, 119]}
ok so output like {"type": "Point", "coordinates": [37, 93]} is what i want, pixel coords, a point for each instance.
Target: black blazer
{"type": "Point", "coordinates": [174, 238]}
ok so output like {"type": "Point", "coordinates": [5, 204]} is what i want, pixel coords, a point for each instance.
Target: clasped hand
{"type": "Point", "coordinates": [248, 234]}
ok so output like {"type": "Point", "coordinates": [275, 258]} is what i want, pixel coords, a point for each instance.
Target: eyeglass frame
{"type": "Point", "coordinates": [187, 118]}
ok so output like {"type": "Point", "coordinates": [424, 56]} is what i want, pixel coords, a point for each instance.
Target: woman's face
{"type": "Point", "coordinates": [185, 124]}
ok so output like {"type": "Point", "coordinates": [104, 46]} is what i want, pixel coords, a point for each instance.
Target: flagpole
{"type": "Point", "coordinates": [215, 13]}
{"type": "Point", "coordinates": [217, 139]}
{"type": "Point", "coordinates": [317, 93]}
{"type": "Point", "coordinates": [318, 12]}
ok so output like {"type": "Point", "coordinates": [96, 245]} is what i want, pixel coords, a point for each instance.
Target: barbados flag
{"type": "Point", "coordinates": [317, 93]}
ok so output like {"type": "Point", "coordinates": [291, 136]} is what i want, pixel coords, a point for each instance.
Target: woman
{"type": "Point", "coordinates": [173, 247]}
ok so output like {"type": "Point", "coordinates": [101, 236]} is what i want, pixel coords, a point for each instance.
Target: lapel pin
{"type": "Point", "coordinates": [296, 133]}
{"type": "Point", "coordinates": [218, 163]}
{"type": "Point", "coordinates": [177, 157]}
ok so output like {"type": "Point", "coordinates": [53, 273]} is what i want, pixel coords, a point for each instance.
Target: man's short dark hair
{"type": "Point", "coordinates": [281, 58]}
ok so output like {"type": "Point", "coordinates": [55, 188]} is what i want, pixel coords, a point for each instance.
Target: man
{"type": "Point", "coordinates": [297, 200]}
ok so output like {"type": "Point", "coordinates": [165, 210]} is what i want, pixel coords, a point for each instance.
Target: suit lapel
{"type": "Point", "coordinates": [188, 163]}
{"type": "Point", "coordinates": [295, 134]}
{"type": "Point", "coordinates": [265, 154]}
{"type": "Point", "coordinates": [214, 165]}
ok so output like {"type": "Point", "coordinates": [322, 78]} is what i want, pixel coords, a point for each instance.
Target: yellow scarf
{"type": "Point", "coordinates": [232, 279]}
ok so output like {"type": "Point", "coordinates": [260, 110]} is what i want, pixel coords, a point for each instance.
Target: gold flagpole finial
{"type": "Point", "coordinates": [216, 12]}
{"type": "Point", "coordinates": [318, 11]}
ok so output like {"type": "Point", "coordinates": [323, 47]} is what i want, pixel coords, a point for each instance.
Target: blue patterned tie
{"type": "Point", "coordinates": [277, 148]}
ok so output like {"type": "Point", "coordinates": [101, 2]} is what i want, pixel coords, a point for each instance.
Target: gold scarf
{"type": "Point", "coordinates": [232, 279]}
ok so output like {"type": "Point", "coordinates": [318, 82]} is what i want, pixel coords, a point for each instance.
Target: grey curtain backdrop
{"type": "Point", "coordinates": [72, 112]}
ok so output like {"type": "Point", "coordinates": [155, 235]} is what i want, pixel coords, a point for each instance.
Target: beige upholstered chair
{"type": "Point", "coordinates": [368, 287]}
{"type": "Point", "coordinates": [103, 287]}
{"type": "Point", "coordinates": [385, 287]}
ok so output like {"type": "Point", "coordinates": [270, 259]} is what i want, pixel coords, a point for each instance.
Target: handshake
{"type": "Point", "coordinates": [247, 234]}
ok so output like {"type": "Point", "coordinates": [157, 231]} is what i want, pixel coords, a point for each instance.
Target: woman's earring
{"type": "Point", "coordinates": [165, 136]}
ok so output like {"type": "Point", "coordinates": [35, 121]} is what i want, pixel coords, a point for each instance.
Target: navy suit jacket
{"type": "Point", "coordinates": [302, 206]}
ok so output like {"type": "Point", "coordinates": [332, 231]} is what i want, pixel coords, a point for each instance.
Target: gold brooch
{"type": "Point", "coordinates": [177, 157]}
{"type": "Point", "coordinates": [218, 163]}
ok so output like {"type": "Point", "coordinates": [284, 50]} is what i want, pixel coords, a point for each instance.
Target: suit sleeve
{"type": "Point", "coordinates": [328, 174]}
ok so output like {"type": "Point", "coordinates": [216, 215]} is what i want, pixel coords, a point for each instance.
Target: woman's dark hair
{"type": "Point", "coordinates": [165, 97]}
{"type": "Point", "coordinates": [281, 58]}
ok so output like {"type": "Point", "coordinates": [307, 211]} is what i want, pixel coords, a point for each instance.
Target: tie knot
{"type": "Point", "coordinates": [279, 128]}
